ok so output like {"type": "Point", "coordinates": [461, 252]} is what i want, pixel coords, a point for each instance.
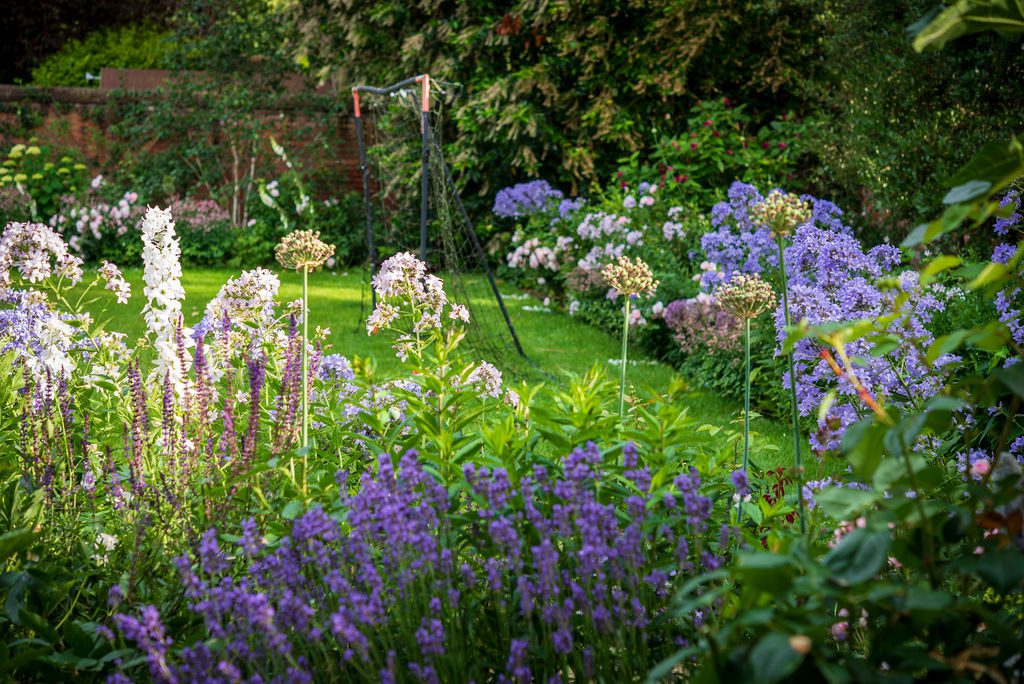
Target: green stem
{"type": "Point", "coordinates": [305, 376]}
{"type": "Point", "coordinates": [622, 376]}
{"type": "Point", "coordinates": [746, 411]}
{"type": "Point", "coordinates": [797, 462]}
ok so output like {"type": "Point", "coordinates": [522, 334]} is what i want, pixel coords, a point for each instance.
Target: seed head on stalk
{"type": "Point", "coordinates": [746, 296]}
{"type": "Point", "coordinates": [303, 250]}
{"type": "Point", "coordinates": [781, 212]}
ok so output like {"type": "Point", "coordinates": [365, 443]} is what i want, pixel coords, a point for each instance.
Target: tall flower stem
{"type": "Point", "coordinates": [305, 376]}
{"type": "Point", "coordinates": [622, 375]}
{"type": "Point", "coordinates": [797, 461]}
{"type": "Point", "coordinates": [746, 408]}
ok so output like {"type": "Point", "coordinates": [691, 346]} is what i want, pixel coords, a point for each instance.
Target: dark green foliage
{"type": "Point", "coordinates": [718, 144]}
{"type": "Point", "coordinates": [32, 30]}
{"type": "Point", "coordinates": [565, 90]}
{"type": "Point", "coordinates": [896, 123]}
{"type": "Point", "coordinates": [137, 46]}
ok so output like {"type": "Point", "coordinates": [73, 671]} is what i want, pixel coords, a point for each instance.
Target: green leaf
{"type": "Point", "coordinates": [924, 599]}
{"type": "Point", "coordinates": [769, 572]}
{"type": "Point", "coordinates": [1002, 569]}
{"type": "Point", "coordinates": [772, 659]}
{"type": "Point", "coordinates": [843, 504]}
{"type": "Point", "coordinates": [937, 265]}
{"type": "Point", "coordinates": [1012, 378]}
{"type": "Point", "coordinates": [883, 344]}
{"type": "Point", "coordinates": [14, 542]}
{"type": "Point", "coordinates": [826, 404]}
{"type": "Point", "coordinates": [858, 557]}
{"type": "Point", "coordinates": [862, 443]}
{"type": "Point", "coordinates": [292, 510]}
{"type": "Point", "coordinates": [1005, 17]}
{"type": "Point", "coordinates": [946, 344]}
{"type": "Point", "coordinates": [997, 162]}
{"type": "Point", "coordinates": [991, 273]}
{"type": "Point", "coordinates": [966, 192]}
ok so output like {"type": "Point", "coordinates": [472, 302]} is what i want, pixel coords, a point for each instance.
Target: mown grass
{"type": "Point", "coordinates": [556, 343]}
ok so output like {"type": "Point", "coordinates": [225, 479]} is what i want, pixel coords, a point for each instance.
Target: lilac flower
{"type": "Point", "coordinates": [741, 244]}
{"type": "Point", "coordinates": [833, 279]}
{"type": "Point", "coordinates": [567, 206]}
{"type": "Point", "coordinates": [1003, 225]}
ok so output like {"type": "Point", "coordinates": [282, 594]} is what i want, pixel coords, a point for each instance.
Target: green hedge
{"type": "Point", "coordinates": [138, 46]}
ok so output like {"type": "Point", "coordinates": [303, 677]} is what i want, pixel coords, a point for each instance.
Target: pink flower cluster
{"type": "Point", "coordinates": [404, 288]}
{"type": "Point", "coordinates": [700, 325]}
{"type": "Point", "coordinates": [202, 215]}
{"type": "Point", "coordinates": [97, 218]}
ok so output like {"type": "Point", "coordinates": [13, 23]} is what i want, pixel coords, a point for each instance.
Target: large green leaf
{"type": "Point", "coordinates": [1002, 569]}
{"type": "Point", "coordinates": [858, 557]}
{"type": "Point", "coordinates": [773, 659]}
{"type": "Point", "coordinates": [769, 572]}
{"type": "Point", "coordinates": [971, 16]}
{"type": "Point", "coordinates": [843, 504]}
{"type": "Point", "coordinates": [863, 444]}
{"type": "Point", "coordinates": [998, 162]}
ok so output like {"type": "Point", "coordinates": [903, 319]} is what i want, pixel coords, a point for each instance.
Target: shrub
{"type": "Point", "coordinates": [44, 175]}
{"type": "Point", "coordinates": [896, 124]}
{"type": "Point", "coordinates": [137, 46]}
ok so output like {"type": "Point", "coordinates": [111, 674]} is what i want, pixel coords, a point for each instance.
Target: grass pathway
{"type": "Point", "coordinates": [556, 342]}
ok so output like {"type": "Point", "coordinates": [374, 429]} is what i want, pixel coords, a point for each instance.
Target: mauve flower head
{"type": "Point", "coordinates": [739, 482]}
{"type": "Point", "coordinates": [698, 324]}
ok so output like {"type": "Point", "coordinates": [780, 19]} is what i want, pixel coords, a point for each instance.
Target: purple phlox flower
{"type": "Point", "coordinates": [525, 199]}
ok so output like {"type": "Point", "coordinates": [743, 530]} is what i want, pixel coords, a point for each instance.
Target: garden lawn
{"type": "Point", "coordinates": [557, 343]}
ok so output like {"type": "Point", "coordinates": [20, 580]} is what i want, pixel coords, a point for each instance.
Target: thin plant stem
{"type": "Point", "coordinates": [305, 377]}
{"type": "Point", "coordinates": [746, 410]}
{"type": "Point", "coordinates": [622, 376]}
{"type": "Point", "coordinates": [797, 461]}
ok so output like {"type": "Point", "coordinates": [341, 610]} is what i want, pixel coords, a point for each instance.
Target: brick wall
{"type": "Point", "coordinates": [79, 118]}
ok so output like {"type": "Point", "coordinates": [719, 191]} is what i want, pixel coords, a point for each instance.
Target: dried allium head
{"type": "Point", "coordinates": [781, 212]}
{"type": "Point", "coordinates": [303, 250]}
{"type": "Point", "coordinates": [746, 296]}
{"type": "Point", "coordinates": [630, 277]}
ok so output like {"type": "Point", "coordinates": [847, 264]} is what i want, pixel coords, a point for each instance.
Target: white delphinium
{"type": "Point", "coordinates": [161, 256]}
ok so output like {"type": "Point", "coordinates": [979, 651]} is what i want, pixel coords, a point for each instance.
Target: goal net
{"type": "Point", "coordinates": [412, 204]}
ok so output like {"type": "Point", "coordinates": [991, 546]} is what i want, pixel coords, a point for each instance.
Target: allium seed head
{"type": "Point", "coordinates": [746, 296]}
{"type": "Point", "coordinates": [303, 250]}
{"type": "Point", "coordinates": [781, 212]}
{"type": "Point", "coordinates": [630, 277]}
